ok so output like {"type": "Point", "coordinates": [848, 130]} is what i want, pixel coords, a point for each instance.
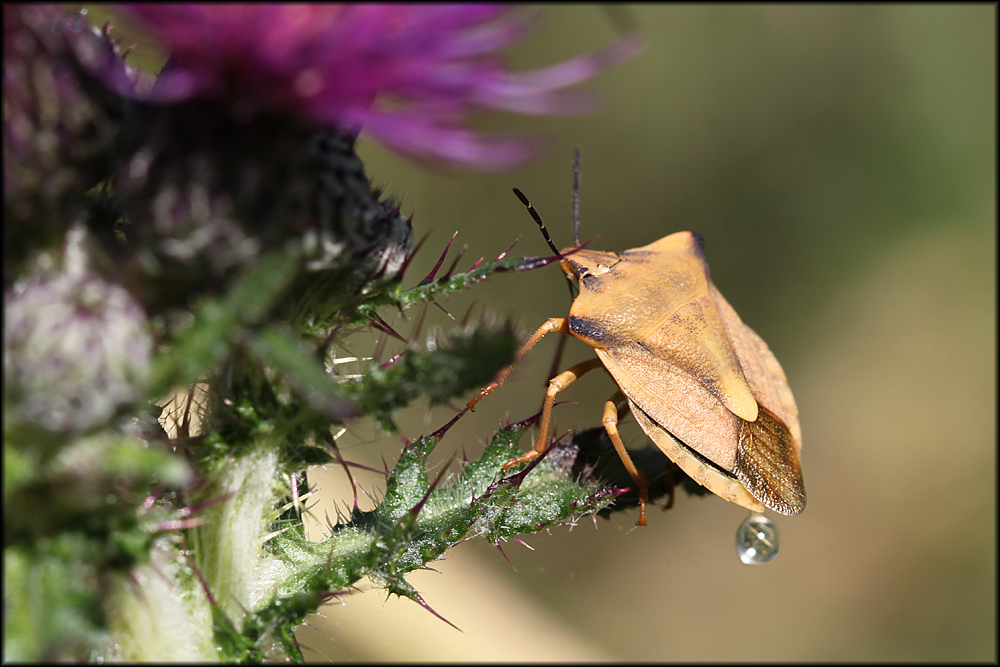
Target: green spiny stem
{"type": "Point", "coordinates": [417, 521]}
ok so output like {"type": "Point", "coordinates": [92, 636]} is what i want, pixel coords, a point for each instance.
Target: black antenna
{"type": "Point", "coordinates": [548, 239]}
{"type": "Point", "coordinates": [576, 196]}
{"type": "Point", "coordinates": [557, 358]}
{"type": "Point", "coordinates": [537, 219]}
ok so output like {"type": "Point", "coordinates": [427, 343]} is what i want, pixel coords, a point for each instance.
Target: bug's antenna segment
{"type": "Point", "coordinates": [537, 219]}
{"type": "Point", "coordinates": [576, 196]}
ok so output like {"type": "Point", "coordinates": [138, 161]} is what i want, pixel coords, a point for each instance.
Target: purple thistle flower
{"type": "Point", "coordinates": [409, 75]}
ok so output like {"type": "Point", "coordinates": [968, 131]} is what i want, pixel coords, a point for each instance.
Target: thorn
{"type": "Point", "coordinates": [382, 325]}
{"type": "Point", "coordinates": [415, 510]}
{"type": "Point", "coordinates": [350, 477]}
{"type": "Point", "coordinates": [475, 265]}
{"type": "Point", "coordinates": [450, 316]}
{"type": "Point", "coordinates": [419, 600]}
{"type": "Point", "coordinates": [558, 439]}
{"type": "Point", "coordinates": [527, 423]}
{"type": "Point", "coordinates": [241, 605]}
{"type": "Point", "coordinates": [529, 263]}
{"type": "Point", "coordinates": [332, 526]}
{"type": "Point", "coordinates": [204, 584]}
{"type": "Point", "coordinates": [438, 434]}
{"type": "Point", "coordinates": [325, 596]}
{"type": "Point", "coordinates": [461, 253]}
{"type": "Point", "coordinates": [519, 477]}
{"type": "Point", "coordinates": [380, 346]}
{"type": "Point", "coordinates": [160, 573]}
{"type": "Point", "coordinates": [416, 249]}
{"type": "Point", "coordinates": [504, 554]}
{"type": "Point", "coordinates": [504, 253]}
{"type": "Point", "coordinates": [518, 539]}
{"type": "Point", "coordinates": [467, 317]}
{"type": "Point", "coordinates": [393, 359]}
{"type": "Point", "coordinates": [369, 496]}
{"type": "Point", "coordinates": [430, 276]}
{"type": "Point", "coordinates": [419, 324]}
{"type": "Point", "coordinates": [362, 466]}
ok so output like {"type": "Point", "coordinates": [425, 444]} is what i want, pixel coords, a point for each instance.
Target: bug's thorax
{"type": "Point", "coordinates": [658, 302]}
{"type": "Point", "coordinates": [624, 297]}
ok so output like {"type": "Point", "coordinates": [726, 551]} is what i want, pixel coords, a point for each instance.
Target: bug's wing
{"type": "Point", "coordinates": [676, 407]}
{"type": "Point", "coordinates": [695, 339]}
{"type": "Point", "coordinates": [719, 482]}
{"type": "Point", "coordinates": [763, 372]}
{"type": "Point", "coordinates": [661, 296]}
{"type": "Point", "coordinates": [677, 401]}
{"type": "Point", "coordinates": [767, 463]}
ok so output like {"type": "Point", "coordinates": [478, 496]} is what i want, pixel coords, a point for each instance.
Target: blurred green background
{"type": "Point", "coordinates": [840, 162]}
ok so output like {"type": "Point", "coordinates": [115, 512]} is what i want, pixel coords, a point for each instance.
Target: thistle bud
{"type": "Point", "coordinates": [77, 348]}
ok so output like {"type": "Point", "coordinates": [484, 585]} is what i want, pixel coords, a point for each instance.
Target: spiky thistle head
{"type": "Point", "coordinates": [60, 121]}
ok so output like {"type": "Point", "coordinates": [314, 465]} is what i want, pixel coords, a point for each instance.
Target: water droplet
{"type": "Point", "coordinates": [757, 540]}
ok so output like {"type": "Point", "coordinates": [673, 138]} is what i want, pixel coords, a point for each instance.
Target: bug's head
{"type": "Point", "coordinates": [581, 265]}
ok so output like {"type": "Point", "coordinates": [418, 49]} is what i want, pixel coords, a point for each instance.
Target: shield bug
{"type": "Point", "coordinates": [704, 386]}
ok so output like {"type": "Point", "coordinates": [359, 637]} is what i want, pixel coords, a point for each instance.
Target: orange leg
{"type": "Point", "coordinates": [555, 324]}
{"type": "Point", "coordinates": [556, 384]}
{"type": "Point", "coordinates": [610, 422]}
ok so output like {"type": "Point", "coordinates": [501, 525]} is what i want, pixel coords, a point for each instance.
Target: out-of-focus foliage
{"type": "Point", "coordinates": [182, 275]}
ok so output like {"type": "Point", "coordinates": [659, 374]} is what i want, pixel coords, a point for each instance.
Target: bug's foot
{"type": "Point", "coordinates": [482, 394]}
{"type": "Point", "coordinates": [523, 458]}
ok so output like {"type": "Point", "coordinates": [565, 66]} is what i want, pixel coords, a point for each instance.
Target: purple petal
{"type": "Point", "coordinates": [411, 74]}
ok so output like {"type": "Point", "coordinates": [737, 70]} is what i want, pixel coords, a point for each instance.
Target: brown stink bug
{"type": "Point", "coordinates": [702, 385]}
